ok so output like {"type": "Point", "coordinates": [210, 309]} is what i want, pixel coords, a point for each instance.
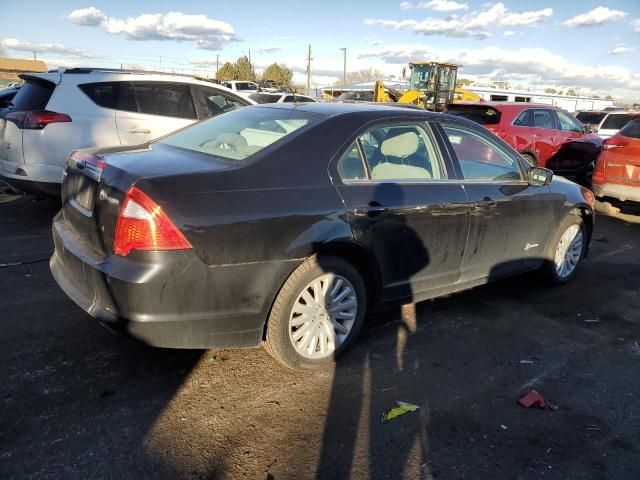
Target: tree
{"type": "Point", "coordinates": [463, 82]}
{"type": "Point", "coordinates": [608, 97]}
{"type": "Point", "coordinates": [364, 75]}
{"type": "Point", "coordinates": [227, 72]}
{"type": "Point", "coordinates": [572, 93]}
{"type": "Point", "coordinates": [244, 69]}
{"type": "Point", "coordinates": [550, 90]}
{"type": "Point", "coordinates": [278, 74]}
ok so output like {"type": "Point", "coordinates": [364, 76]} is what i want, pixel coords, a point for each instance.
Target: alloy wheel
{"type": "Point", "coordinates": [569, 251]}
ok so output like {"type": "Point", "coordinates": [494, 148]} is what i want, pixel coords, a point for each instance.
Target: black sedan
{"type": "Point", "coordinates": [284, 224]}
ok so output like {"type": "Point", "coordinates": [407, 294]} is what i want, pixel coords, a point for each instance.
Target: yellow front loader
{"type": "Point", "coordinates": [431, 86]}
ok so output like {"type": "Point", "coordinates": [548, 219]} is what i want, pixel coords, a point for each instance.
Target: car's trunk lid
{"type": "Point", "coordinates": [95, 183]}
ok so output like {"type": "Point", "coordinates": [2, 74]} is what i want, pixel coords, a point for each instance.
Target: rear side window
{"type": "Point", "coordinates": [615, 121]}
{"type": "Point", "coordinates": [167, 99]}
{"type": "Point", "coordinates": [631, 129]}
{"type": "Point", "coordinates": [479, 114]}
{"type": "Point", "coordinates": [115, 95]}
{"type": "Point", "coordinates": [33, 95]}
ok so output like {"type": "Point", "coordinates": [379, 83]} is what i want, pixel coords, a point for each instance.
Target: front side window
{"type": "Point", "coordinates": [241, 133]}
{"type": "Point", "coordinates": [481, 157]}
{"type": "Point", "coordinates": [524, 119]}
{"type": "Point", "coordinates": [218, 102]}
{"type": "Point", "coordinates": [167, 99]}
{"type": "Point", "coordinates": [568, 123]}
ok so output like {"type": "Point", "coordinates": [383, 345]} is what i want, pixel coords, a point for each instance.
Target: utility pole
{"type": "Point", "coordinates": [309, 71]}
{"type": "Point", "coordinates": [344, 69]}
{"type": "Point", "coordinates": [217, 62]}
{"type": "Point", "coordinates": [34, 56]}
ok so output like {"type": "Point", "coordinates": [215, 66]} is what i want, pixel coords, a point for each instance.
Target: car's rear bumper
{"type": "Point", "coordinates": [36, 178]}
{"type": "Point", "coordinates": [168, 299]}
{"type": "Point", "coordinates": [624, 193]}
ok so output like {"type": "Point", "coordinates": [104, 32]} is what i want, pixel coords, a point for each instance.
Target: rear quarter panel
{"type": "Point", "coordinates": [90, 126]}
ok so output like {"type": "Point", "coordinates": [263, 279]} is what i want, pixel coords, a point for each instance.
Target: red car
{"type": "Point", "coordinates": [617, 172]}
{"type": "Point", "coordinates": [545, 135]}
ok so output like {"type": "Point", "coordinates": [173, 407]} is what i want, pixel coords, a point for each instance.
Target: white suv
{"type": "Point", "coordinates": [613, 122]}
{"type": "Point", "coordinates": [241, 87]}
{"type": "Point", "coordinates": [54, 113]}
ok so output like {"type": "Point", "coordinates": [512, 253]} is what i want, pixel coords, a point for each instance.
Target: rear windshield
{"type": "Point", "coordinates": [33, 95]}
{"type": "Point", "coordinates": [631, 129]}
{"type": "Point", "coordinates": [591, 118]}
{"type": "Point", "coordinates": [479, 114]}
{"type": "Point", "coordinates": [264, 98]}
{"type": "Point", "coordinates": [241, 133]}
{"type": "Point", "coordinates": [615, 121]}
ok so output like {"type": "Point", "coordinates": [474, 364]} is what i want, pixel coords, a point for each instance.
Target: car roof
{"type": "Point", "coordinates": [331, 109]}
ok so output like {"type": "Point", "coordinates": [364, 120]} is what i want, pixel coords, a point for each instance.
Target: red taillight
{"type": "Point", "coordinates": [613, 143]}
{"type": "Point", "coordinates": [36, 120]}
{"type": "Point", "coordinates": [599, 175]}
{"type": "Point", "coordinates": [143, 225]}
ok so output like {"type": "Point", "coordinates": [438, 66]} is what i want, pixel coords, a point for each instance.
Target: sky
{"type": "Point", "coordinates": [592, 46]}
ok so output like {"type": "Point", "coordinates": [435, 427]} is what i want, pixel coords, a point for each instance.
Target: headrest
{"type": "Point", "coordinates": [401, 145]}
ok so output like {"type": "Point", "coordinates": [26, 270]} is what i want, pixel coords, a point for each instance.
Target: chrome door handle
{"type": "Point", "coordinates": [139, 130]}
{"type": "Point", "coordinates": [485, 203]}
{"type": "Point", "coordinates": [371, 211]}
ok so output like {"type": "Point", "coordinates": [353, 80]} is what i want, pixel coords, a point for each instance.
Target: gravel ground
{"type": "Point", "coordinates": [80, 402]}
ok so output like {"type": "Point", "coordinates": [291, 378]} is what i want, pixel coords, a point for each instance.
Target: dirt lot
{"type": "Point", "coordinates": [80, 402]}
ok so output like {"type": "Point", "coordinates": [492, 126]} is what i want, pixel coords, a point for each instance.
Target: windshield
{"type": "Point", "coordinates": [615, 121]}
{"type": "Point", "coordinates": [241, 133]}
{"type": "Point", "coordinates": [420, 77]}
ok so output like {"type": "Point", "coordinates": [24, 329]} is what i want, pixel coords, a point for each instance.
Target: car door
{"type": "Point", "coordinates": [406, 206]}
{"type": "Point", "coordinates": [510, 220]}
{"type": "Point", "coordinates": [149, 110]}
{"type": "Point", "coordinates": [547, 138]}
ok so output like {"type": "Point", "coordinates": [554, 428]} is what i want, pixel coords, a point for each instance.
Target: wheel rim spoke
{"type": "Point", "coordinates": [569, 251]}
{"type": "Point", "coordinates": [323, 316]}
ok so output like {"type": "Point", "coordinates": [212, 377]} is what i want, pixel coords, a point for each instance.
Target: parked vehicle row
{"type": "Point", "coordinates": [56, 112]}
{"type": "Point", "coordinates": [283, 224]}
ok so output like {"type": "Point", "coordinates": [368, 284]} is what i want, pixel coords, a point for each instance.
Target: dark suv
{"type": "Point", "coordinates": [545, 135]}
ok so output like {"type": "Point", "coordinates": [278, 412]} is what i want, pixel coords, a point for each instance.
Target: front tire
{"type": "Point", "coordinates": [566, 251]}
{"type": "Point", "coordinates": [317, 314]}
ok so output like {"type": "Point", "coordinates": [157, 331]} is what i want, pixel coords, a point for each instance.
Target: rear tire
{"type": "Point", "coordinates": [317, 314]}
{"type": "Point", "coordinates": [566, 251]}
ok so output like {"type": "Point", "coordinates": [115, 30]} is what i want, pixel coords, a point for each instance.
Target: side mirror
{"type": "Point", "coordinates": [539, 177]}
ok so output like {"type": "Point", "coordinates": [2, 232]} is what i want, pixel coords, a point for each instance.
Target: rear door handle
{"type": "Point", "coordinates": [486, 203]}
{"type": "Point", "coordinates": [373, 210]}
{"type": "Point", "coordinates": [139, 130]}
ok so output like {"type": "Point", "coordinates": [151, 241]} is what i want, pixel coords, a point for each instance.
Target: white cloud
{"type": "Point", "coordinates": [474, 24]}
{"type": "Point", "coordinates": [374, 41]}
{"type": "Point", "coordinates": [597, 16]}
{"type": "Point", "coordinates": [621, 49]}
{"type": "Point", "coordinates": [509, 33]}
{"type": "Point", "coordinates": [437, 5]}
{"type": "Point", "coordinates": [47, 48]}
{"type": "Point", "coordinates": [636, 25]}
{"type": "Point", "coordinates": [207, 33]}
{"type": "Point", "coordinates": [284, 38]}
{"type": "Point", "coordinates": [270, 49]}
{"type": "Point", "coordinates": [87, 16]}
{"type": "Point", "coordinates": [444, 5]}
{"type": "Point", "coordinates": [527, 65]}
